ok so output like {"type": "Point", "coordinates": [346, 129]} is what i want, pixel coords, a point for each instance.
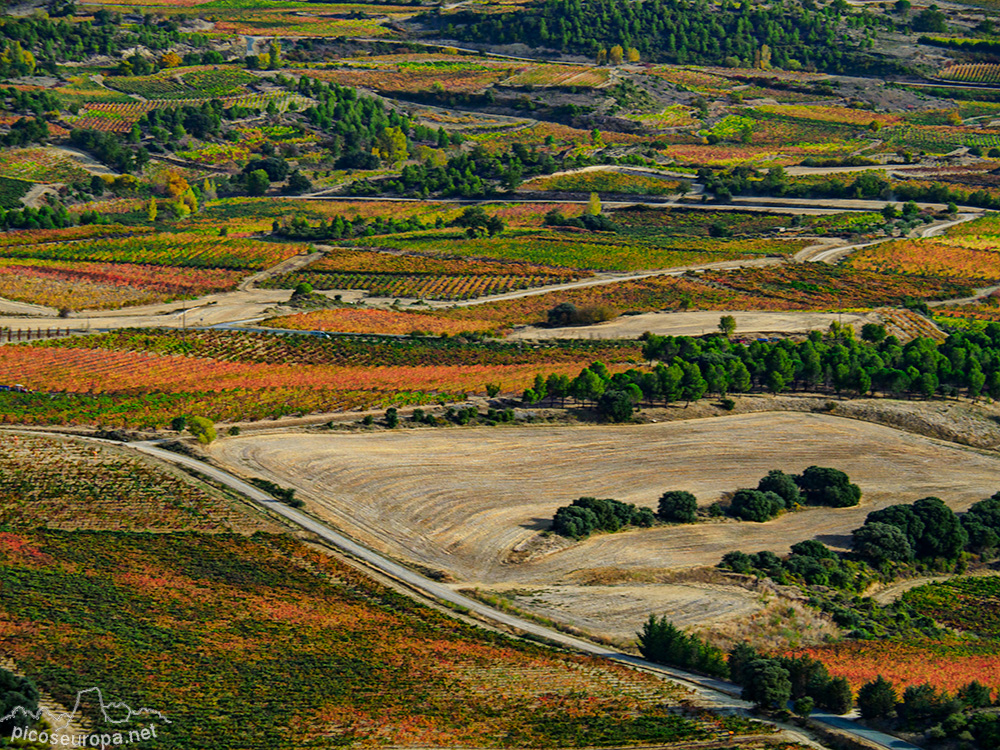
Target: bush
{"type": "Point", "coordinates": [879, 543]}
{"type": "Point", "coordinates": [678, 506]}
{"type": "Point", "coordinates": [830, 487]}
{"type": "Point", "coordinates": [754, 505]}
{"type": "Point", "coordinates": [782, 485]}
{"type": "Point", "coordinates": [202, 428]}
{"type": "Point", "coordinates": [590, 514]}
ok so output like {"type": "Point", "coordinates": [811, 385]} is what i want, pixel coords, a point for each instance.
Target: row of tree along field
{"type": "Point", "coordinates": [966, 363]}
{"type": "Point", "coordinates": [774, 494]}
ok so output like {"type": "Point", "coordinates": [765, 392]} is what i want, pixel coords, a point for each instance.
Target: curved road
{"type": "Point", "coordinates": [721, 694]}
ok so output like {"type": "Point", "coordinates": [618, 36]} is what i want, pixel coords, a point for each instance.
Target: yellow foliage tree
{"type": "Point", "coordinates": [392, 145]}
{"type": "Point", "coordinates": [176, 185]}
{"type": "Point", "coordinates": [171, 60]}
{"type": "Point", "coordinates": [594, 205]}
{"type": "Point", "coordinates": [151, 210]}
{"type": "Point", "coordinates": [633, 55]}
{"type": "Point", "coordinates": [616, 54]}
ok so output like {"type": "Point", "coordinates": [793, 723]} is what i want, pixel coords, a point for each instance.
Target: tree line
{"type": "Point", "coordinates": [966, 363]}
{"type": "Point", "coordinates": [774, 494]}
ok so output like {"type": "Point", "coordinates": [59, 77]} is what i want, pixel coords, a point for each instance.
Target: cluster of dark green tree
{"type": "Point", "coordinates": [929, 533]}
{"type": "Point", "coordinates": [360, 131]}
{"type": "Point", "coordinates": [110, 149]}
{"type": "Point", "coordinates": [25, 131]}
{"type": "Point", "coordinates": [16, 692]}
{"type": "Point", "coordinates": [771, 682]}
{"type": "Point", "coordinates": [663, 642]}
{"type": "Point", "coordinates": [43, 217]}
{"type": "Point", "coordinates": [593, 222]}
{"type": "Point", "coordinates": [284, 494]}
{"type": "Point", "coordinates": [471, 174]}
{"type": "Point", "coordinates": [789, 35]}
{"type": "Point", "coordinates": [726, 183]}
{"type": "Point", "coordinates": [339, 228]}
{"type": "Point", "coordinates": [774, 494]}
{"type": "Point", "coordinates": [964, 717]}
{"type": "Point", "coordinates": [36, 103]}
{"type": "Point", "coordinates": [966, 363]}
{"type": "Point", "coordinates": [50, 41]}
{"type": "Point", "coordinates": [589, 514]}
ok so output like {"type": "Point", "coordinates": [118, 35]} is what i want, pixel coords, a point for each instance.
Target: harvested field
{"type": "Point", "coordinates": [696, 324]}
{"type": "Point", "coordinates": [462, 500]}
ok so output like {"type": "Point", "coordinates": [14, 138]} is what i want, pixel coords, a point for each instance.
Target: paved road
{"type": "Point", "coordinates": [721, 694]}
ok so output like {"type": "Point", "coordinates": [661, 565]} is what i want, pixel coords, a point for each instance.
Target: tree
{"type": "Point", "coordinates": [632, 54]}
{"type": "Point", "coordinates": [766, 684]}
{"type": "Point", "coordinates": [258, 182]}
{"type": "Point", "coordinates": [837, 697]}
{"type": "Point", "coordinates": [594, 205]}
{"type": "Point", "coordinates": [756, 506]}
{"type": "Point", "coordinates": [202, 428]}
{"type": "Point", "coordinates": [879, 543]}
{"type": "Point", "coordinates": [392, 145]}
{"type": "Point", "coordinates": [876, 699]}
{"type": "Point", "coordinates": [782, 485]}
{"type": "Point", "coordinates": [298, 183]}
{"type": "Point", "coordinates": [831, 487]}
{"type": "Point", "coordinates": [616, 54]}
{"type": "Point", "coordinates": [616, 405]}
{"type": "Point", "coordinates": [16, 692]}
{"type": "Point", "coordinates": [727, 324]}
{"type": "Point", "coordinates": [678, 506]}
{"type": "Point", "coordinates": [391, 417]}
{"type": "Point", "coordinates": [943, 533]}
{"type": "Point", "coordinates": [151, 210]}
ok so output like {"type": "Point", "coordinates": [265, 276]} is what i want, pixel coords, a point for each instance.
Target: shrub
{"type": "Point", "coordinates": [782, 485]}
{"type": "Point", "coordinates": [831, 487]}
{"type": "Point", "coordinates": [754, 505]}
{"type": "Point", "coordinates": [202, 428]}
{"type": "Point", "coordinates": [678, 506]}
{"type": "Point", "coordinates": [589, 514]}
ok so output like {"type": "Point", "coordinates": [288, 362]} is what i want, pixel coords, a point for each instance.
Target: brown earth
{"type": "Point", "coordinates": [462, 500]}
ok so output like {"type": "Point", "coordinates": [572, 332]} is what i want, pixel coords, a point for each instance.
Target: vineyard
{"type": "Point", "coordinates": [930, 258]}
{"type": "Point", "coordinates": [372, 321]}
{"type": "Point", "coordinates": [186, 84]}
{"type": "Point", "coordinates": [183, 249]}
{"type": "Point", "coordinates": [334, 656]}
{"type": "Point", "coordinates": [96, 286]}
{"type": "Point", "coordinates": [41, 165]}
{"type": "Point", "coordinates": [968, 605]}
{"type": "Point", "coordinates": [544, 76]}
{"type": "Point", "coordinates": [11, 192]}
{"type": "Point", "coordinates": [587, 250]}
{"type": "Point", "coordinates": [604, 181]}
{"type": "Point", "coordinates": [395, 275]}
{"type": "Point", "coordinates": [65, 484]}
{"type": "Point", "coordinates": [143, 380]}
{"type": "Point", "coordinates": [972, 73]}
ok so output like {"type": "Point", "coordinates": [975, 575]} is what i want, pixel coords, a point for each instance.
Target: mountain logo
{"type": "Point", "coordinates": [113, 713]}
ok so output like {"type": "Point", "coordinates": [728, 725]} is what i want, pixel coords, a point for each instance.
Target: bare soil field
{"type": "Point", "coordinates": [698, 323]}
{"type": "Point", "coordinates": [461, 501]}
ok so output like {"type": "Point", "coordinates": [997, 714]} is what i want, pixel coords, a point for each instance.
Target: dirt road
{"type": "Point", "coordinates": [715, 693]}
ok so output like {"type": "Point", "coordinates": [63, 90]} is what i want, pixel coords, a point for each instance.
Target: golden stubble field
{"type": "Point", "coordinates": [462, 500]}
